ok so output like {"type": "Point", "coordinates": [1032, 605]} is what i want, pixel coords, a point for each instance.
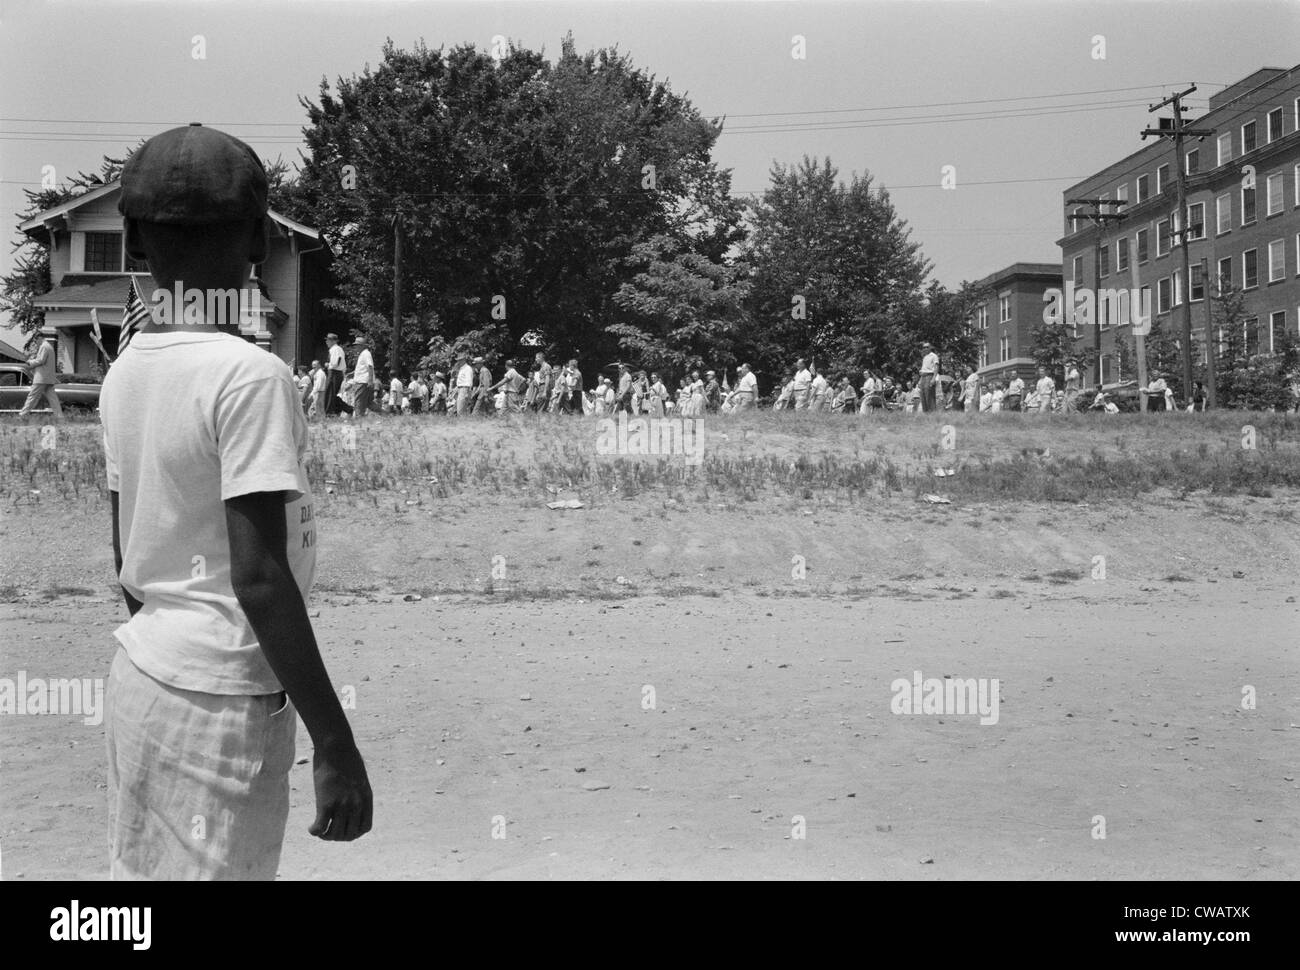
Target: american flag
{"type": "Point", "coordinates": [134, 316]}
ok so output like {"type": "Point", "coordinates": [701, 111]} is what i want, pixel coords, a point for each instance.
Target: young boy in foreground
{"type": "Point", "coordinates": [214, 539]}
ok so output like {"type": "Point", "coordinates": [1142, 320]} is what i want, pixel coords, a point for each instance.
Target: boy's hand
{"type": "Point", "coordinates": [344, 810]}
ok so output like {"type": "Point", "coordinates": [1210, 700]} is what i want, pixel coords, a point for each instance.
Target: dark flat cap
{"type": "Point", "coordinates": [193, 176]}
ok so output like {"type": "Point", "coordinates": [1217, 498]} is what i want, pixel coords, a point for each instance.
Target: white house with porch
{"type": "Point", "coordinates": [90, 270]}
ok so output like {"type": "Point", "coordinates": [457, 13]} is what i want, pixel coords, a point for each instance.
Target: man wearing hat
{"type": "Point", "coordinates": [364, 378]}
{"type": "Point", "coordinates": [337, 367]}
{"type": "Point", "coordinates": [214, 537]}
{"type": "Point", "coordinates": [464, 385]}
{"type": "Point", "coordinates": [41, 365]}
{"type": "Point", "coordinates": [929, 374]}
{"type": "Point", "coordinates": [484, 402]}
{"type": "Point", "coordinates": [712, 392]}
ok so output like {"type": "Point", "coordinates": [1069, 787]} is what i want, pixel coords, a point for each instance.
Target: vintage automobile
{"type": "Point", "coordinates": [76, 392]}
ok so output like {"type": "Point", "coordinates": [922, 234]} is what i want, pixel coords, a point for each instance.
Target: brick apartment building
{"type": "Point", "coordinates": [1007, 319]}
{"type": "Point", "coordinates": [1248, 238]}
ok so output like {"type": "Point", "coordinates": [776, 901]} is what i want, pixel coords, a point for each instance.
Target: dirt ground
{"type": "Point", "coordinates": [770, 750]}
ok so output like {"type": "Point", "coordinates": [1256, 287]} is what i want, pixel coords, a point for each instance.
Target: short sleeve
{"type": "Point", "coordinates": [257, 439]}
{"type": "Point", "coordinates": [110, 465]}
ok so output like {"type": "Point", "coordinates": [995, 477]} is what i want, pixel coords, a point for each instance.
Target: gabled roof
{"type": "Point", "coordinates": [9, 350]}
{"type": "Point", "coordinates": [76, 290]}
{"type": "Point", "coordinates": [38, 221]}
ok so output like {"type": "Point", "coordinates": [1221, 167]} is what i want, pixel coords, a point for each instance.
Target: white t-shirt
{"type": "Point", "coordinates": [802, 379]}
{"type": "Point", "coordinates": [749, 385]}
{"type": "Point", "coordinates": [190, 420]}
{"type": "Point", "coordinates": [365, 372]}
{"type": "Point", "coordinates": [465, 376]}
{"type": "Point", "coordinates": [1046, 386]}
{"type": "Point", "coordinates": [930, 363]}
{"type": "Point", "coordinates": [338, 361]}
{"type": "Point", "coordinates": [318, 381]}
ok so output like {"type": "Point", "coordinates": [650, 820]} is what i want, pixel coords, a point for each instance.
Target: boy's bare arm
{"type": "Point", "coordinates": [132, 604]}
{"type": "Point", "coordinates": [265, 587]}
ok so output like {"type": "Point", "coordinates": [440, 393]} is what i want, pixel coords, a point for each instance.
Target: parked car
{"type": "Point", "coordinates": [1125, 394]}
{"type": "Point", "coordinates": [76, 392]}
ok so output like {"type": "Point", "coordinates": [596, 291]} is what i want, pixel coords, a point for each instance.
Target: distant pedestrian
{"type": "Point", "coordinates": [337, 366]}
{"type": "Point", "coordinates": [929, 374]}
{"type": "Point", "coordinates": [464, 385]}
{"type": "Point", "coordinates": [363, 375]}
{"type": "Point", "coordinates": [44, 379]}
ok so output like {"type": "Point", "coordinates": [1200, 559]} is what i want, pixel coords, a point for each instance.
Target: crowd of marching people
{"type": "Point", "coordinates": [470, 387]}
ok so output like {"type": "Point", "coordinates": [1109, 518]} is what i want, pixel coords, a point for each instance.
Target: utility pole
{"type": "Point", "coordinates": [1099, 219]}
{"type": "Point", "coordinates": [397, 295]}
{"type": "Point", "coordinates": [1177, 131]}
{"type": "Point", "coordinates": [1211, 343]}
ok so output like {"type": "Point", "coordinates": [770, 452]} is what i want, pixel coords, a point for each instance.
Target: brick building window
{"type": "Point", "coordinates": [1143, 245]}
{"type": "Point", "coordinates": [1247, 206]}
{"type": "Point", "coordinates": [1274, 124]}
{"type": "Point", "coordinates": [1223, 214]}
{"type": "Point", "coordinates": [1121, 255]}
{"type": "Point", "coordinates": [1196, 221]}
{"type": "Point", "coordinates": [1224, 145]}
{"type": "Point", "coordinates": [1276, 260]}
{"type": "Point", "coordinates": [1225, 274]}
{"type": "Point", "coordinates": [1248, 137]}
{"type": "Point", "coordinates": [1143, 188]}
{"type": "Point", "coordinates": [1162, 237]}
{"type": "Point", "coordinates": [1273, 194]}
{"type": "Point", "coordinates": [1249, 269]}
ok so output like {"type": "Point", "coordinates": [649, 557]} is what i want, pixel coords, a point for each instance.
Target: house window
{"type": "Point", "coordinates": [1248, 137]}
{"type": "Point", "coordinates": [1162, 178]}
{"type": "Point", "coordinates": [103, 252]}
{"type": "Point", "coordinates": [1193, 161]}
{"type": "Point", "coordinates": [1274, 125]}
{"type": "Point", "coordinates": [1004, 309]}
{"type": "Point", "coordinates": [1143, 188]}
{"type": "Point", "coordinates": [1225, 274]}
{"type": "Point", "coordinates": [1164, 297]}
{"type": "Point", "coordinates": [1178, 288]}
{"type": "Point", "coordinates": [1196, 221]}
{"type": "Point", "coordinates": [1247, 206]}
{"type": "Point", "coordinates": [1105, 260]}
{"type": "Point", "coordinates": [1198, 283]}
{"type": "Point", "coordinates": [1143, 245]}
{"type": "Point", "coordinates": [1121, 255]}
{"type": "Point", "coordinates": [984, 354]}
{"type": "Point", "coordinates": [1223, 214]}
{"type": "Point", "coordinates": [1276, 260]}
{"type": "Point", "coordinates": [1121, 193]}
{"type": "Point", "coordinates": [1162, 237]}
{"type": "Point", "coordinates": [1276, 324]}
{"type": "Point", "coordinates": [1077, 267]}
{"type": "Point", "coordinates": [982, 318]}
{"type": "Point", "coordinates": [1273, 194]}
{"type": "Point", "coordinates": [1004, 347]}
{"type": "Point", "coordinates": [1249, 269]}
{"type": "Point", "coordinates": [1225, 148]}
{"type": "Point", "coordinates": [1251, 332]}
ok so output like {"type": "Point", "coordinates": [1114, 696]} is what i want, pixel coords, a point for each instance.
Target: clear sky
{"type": "Point", "coordinates": [893, 89]}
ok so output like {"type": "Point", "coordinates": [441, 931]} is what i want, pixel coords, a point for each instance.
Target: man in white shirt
{"type": "Point", "coordinates": [319, 385]}
{"type": "Point", "coordinates": [363, 375]}
{"type": "Point", "coordinates": [820, 392]}
{"type": "Point", "coordinates": [1015, 391]}
{"type": "Point", "coordinates": [337, 367]}
{"type": "Point", "coordinates": [745, 396]}
{"type": "Point", "coordinates": [416, 392]}
{"type": "Point", "coordinates": [929, 374]}
{"type": "Point", "coordinates": [1046, 390]}
{"type": "Point", "coordinates": [802, 390]}
{"type": "Point", "coordinates": [438, 393]}
{"type": "Point", "coordinates": [464, 385]}
{"type": "Point", "coordinates": [41, 365]}
{"type": "Point", "coordinates": [214, 540]}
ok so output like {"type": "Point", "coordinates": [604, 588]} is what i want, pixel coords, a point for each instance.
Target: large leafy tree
{"type": "Point", "coordinates": [835, 273]}
{"type": "Point", "coordinates": [522, 187]}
